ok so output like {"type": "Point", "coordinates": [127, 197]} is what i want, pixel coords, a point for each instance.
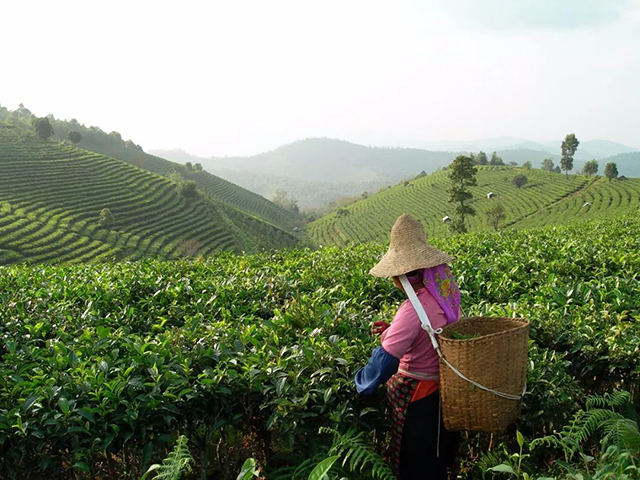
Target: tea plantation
{"type": "Point", "coordinates": [52, 197]}
{"type": "Point", "coordinates": [547, 198]}
{"type": "Point", "coordinates": [103, 366]}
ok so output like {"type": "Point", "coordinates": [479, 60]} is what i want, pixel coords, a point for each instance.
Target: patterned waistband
{"type": "Point", "coordinates": [419, 375]}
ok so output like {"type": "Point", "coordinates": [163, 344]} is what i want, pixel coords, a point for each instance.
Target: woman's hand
{"type": "Point", "coordinates": [378, 327]}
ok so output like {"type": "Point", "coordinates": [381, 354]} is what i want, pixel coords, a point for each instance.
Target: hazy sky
{"type": "Point", "coordinates": [239, 77]}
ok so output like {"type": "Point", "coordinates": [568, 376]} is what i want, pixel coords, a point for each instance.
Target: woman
{"type": "Point", "coordinates": [406, 360]}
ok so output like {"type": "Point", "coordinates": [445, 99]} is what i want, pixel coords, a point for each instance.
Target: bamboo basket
{"type": "Point", "coordinates": [497, 360]}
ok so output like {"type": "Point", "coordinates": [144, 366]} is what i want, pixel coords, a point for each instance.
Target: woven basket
{"type": "Point", "coordinates": [497, 360]}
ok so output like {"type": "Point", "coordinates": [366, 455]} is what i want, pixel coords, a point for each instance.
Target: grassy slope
{"type": "Point", "coordinates": [214, 186]}
{"type": "Point", "coordinates": [606, 198]}
{"type": "Point", "coordinates": [426, 200]}
{"type": "Point", "coordinates": [51, 196]}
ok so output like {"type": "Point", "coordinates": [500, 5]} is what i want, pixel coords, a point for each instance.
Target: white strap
{"type": "Point", "coordinates": [422, 314]}
{"type": "Point", "coordinates": [426, 324]}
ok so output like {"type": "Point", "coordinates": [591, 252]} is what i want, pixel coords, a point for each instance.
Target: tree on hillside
{"type": "Point", "coordinates": [462, 175]}
{"type": "Point", "coordinates": [74, 136]}
{"type": "Point", "coordinates": [611, 170]}
{"type": "Point", "coordinates": [197, 167]}
{"type": "Point", "coordinates": [569, 147]}
{"type": "Point", "coordinates": [482, 158]}
{"type": "Point", "coordinates": [282, 199]}
{"type": "Point", "coordinates": [187, 188]}
{"type": "Point", "coordinates": [106, 218]}
{"type": "Point", "coordinates": [557, 169]}
{"type": "Point", "coordinates": [527, 165]}
{"type": "Point", "coordinates": [43, 127]}
{"type": "Point", "coordinates": [189, 166]}
{"type": "Point", "coordinates": [495, 159]}
{"type": "Point", "coordinates": [590, 168]}
{"type": "Point", "coordinates": [520, 180]}
{"type": "Point", "coordinates": [547, 164]}
{"type": "Point", "coordinates": [495, 215]}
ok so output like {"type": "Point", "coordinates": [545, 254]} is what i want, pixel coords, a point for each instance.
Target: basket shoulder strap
{"type": "Point", "coordinates": [422, 314]}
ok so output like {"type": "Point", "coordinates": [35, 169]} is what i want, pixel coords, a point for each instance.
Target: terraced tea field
{"type": "Point", "coordinates": [51, 196]}
{"type": "Point", "coordinates": [110, 145]}
{"type": "Point", "coordinates": [600, 199]}
{"type": "Point", "coordinates": [241, 198]}
{"type": "Point", "coordinates": [546, 198]}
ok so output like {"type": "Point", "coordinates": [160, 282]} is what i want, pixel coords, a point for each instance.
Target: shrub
{"type": "Point", "coordinates": [520, 180]}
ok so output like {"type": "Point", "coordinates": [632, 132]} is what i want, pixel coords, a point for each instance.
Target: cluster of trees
{"type": "Point", "coordinates": [284, 200]}
{"type": "Point", "coordinates": [185, 188]}
{"type": "Point", "coordinates": [193, 168]}
{"type": "Point", "coordinates": [481, 159]}
{"type": "Point", "coordinates": [43, 127]}
{"type": "Point", "coordinates": [547, 164]}
{"type": "Point", "coordinates": [48, 127]}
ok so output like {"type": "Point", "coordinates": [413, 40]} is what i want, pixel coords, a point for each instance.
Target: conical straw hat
{"type": "Point", "coordinates": [409, 250]}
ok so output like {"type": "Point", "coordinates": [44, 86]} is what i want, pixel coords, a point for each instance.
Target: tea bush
{"type": "Point", "coordinates": [103, 366]}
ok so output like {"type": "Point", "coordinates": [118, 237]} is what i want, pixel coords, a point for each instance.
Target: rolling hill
{"type": "Point", "coordinates": [113, 145]}
{"type": "Point", "coordinates": [317, 171]}
{"type": "Point", "coordinates": [52, 196]}
{"type": "Point", "coordinates": [546, 198]}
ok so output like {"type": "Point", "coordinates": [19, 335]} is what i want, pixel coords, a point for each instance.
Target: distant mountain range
{"type": "Point", "coordinates": [587, 150]}
{"type": "Point", "coordinates": [317, 171]}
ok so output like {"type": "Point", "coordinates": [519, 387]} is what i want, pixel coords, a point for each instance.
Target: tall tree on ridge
{"type": "Point", "coordinates": [462, 174]}
{"type": "Point", "coordinates": [590, 168]}
{"type": "Point", "coordinates": [611, 170]}
{"type": "Point", "coordinates": [569, 147]}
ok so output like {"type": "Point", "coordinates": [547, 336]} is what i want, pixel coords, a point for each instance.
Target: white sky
{"type": "Point", "coordinates": [240, 77]}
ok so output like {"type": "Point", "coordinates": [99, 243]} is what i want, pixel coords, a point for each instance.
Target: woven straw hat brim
{"type": "Point", "coordinates": [409, 250]}
{"type": "Point", "coordinates": [398, 262]}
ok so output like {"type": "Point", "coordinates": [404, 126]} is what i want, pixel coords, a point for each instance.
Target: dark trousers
{"type": "Point", "coordinates": [419, 458]}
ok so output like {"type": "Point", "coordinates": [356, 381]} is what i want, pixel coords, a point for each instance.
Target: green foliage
{"type": "Point", "coordinates": [321, 469]}
{"type": "Point", "coordinates": [220, 190]}
{"type": "Point", "coordinates": [74, 136]}
{"type": "Point", "coordinates": [60, 199]}
{"type": "Point", "coordinates": [619, 444]}
{"type": "Point", "coordinates": [282, 199]}
{"type": "Point", "coordinates": [569, 147]}
{"type": "Point", "coordinates": [107, 363]}
{"type": "Point", "coordinates": [187, 189]}
{"type": "Point", "coordinates": [342, 212]}
{"type": "Point", "coordinates": [495, 215]}
{"type": "Point", "coordinates": [495, 159]}
{"type": "Point", "coordinates": [249, 470]}
{"type": "Point", "coordinates": [547, 199]}
{"type": "Point", "coordinates": [462, 175]}
{"type": "Point", "coordinates": [43, 127]}
{"type": "Point", "coordinates": [177, 462]}
{"type": "Point", "coordinates": [357, 455]}
{"type": "Point", "coordinates": [527, 165]}
{"type": "Point", "coordinates": [482, 158]}
{"type": "Point", "coordinates": [611, 170]}
{"type": "Point", "coordinates": [520, 180]}
{"type": "Point", "coordinates": [106, 218]}
{"type": "Point", "coordinates": [547, 164]}
{"type": "Point", "coordinates": [590, 168]}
